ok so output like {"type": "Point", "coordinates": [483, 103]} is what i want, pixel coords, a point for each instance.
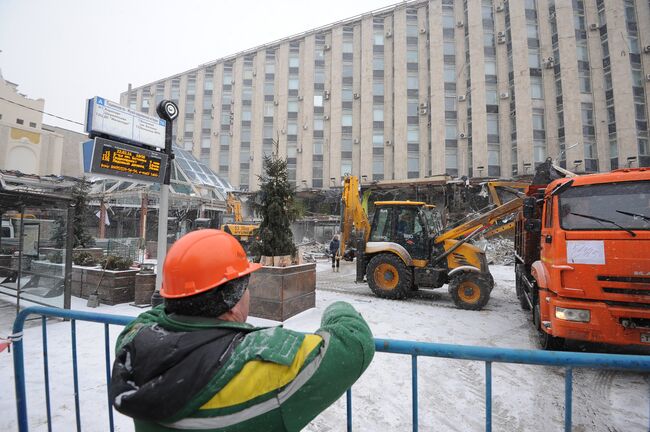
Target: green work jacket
{"type": "Point", "coordinates": [175, 373]}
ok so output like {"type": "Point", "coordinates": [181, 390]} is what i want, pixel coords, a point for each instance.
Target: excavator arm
{"type": "Point", "coordinates": [483, 222]}
{"type": "Point", "coordinates": [234, 207]}
{"type": "Point", "coordinates": [352, 212]}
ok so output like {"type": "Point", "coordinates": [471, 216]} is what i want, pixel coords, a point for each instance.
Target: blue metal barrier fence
{"type": "Point", "coordinates": [568, 360]}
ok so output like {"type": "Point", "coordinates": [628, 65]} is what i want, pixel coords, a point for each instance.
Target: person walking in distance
{"type": "Point", "coordinates": [193, 363]}
{"type": "Point", "coordinates": [334, 251]}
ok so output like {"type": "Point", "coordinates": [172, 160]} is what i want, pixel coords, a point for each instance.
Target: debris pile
{"type": "Point", "coordinates": [313, 250]}
{"type": "Point", "coordinates": [500, 251]}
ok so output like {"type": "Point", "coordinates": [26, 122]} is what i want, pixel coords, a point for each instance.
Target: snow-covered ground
{"type": "Point", "coordinates": [451, 392]}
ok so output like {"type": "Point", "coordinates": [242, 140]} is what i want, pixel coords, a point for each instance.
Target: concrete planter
{"type": "Point", "coordinates": [114, 286]}
{"type": "Point", "coordinates": [145, 283]}
{"type": "Point", "coordinates": [5, 265]}
{"type": "Point", "coordinates": [56, 270]}
{"type": "Point", "coordinates": [278, 293]}
{"type": "Point", "coordinates": [48, 268]}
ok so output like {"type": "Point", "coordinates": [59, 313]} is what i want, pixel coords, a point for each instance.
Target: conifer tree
{"type": "Point", "coordinates": [274, 203]}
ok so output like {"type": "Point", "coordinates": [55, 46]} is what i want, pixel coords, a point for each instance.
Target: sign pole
{"type": "Point", "coordinates": [167, 110]}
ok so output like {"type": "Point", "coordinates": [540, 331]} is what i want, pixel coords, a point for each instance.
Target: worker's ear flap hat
{"type": "Point", "coordinates": [203, 260]}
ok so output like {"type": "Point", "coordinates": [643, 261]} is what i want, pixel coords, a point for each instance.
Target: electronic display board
{"type": "Point", "coordinates": [106, 118]}
{"type": "Point", "coordinates": [123, 160]}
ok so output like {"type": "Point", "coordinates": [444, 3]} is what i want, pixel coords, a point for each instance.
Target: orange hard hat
{"type": "Point", "coordinates": [202, 260]}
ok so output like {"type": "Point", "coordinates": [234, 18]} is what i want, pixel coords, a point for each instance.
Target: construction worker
{"type": "Point", "coordinates": [193, 362]}
{"type": "Point", "coordinates": [334, 251]}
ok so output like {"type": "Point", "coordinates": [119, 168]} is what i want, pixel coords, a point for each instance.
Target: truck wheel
{"type": "Point", "coordinates": [519, 287]}
{"type": "Point", "coordinates": [470, 290]}
{"type": "Point", "coordinates": [388, 276]}
{"type": "Point", "coordinates": [546, 341]}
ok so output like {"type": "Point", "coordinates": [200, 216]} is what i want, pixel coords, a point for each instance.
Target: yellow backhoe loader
{"type": "Point", "coordinates": [406, 247]}
{"type": "Point", "coordinates": [242, 231]}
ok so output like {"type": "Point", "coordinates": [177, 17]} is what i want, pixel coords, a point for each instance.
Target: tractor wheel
{"type": "Point", "coordinates": [470, 290]}
{"type": "Point", "coordinates": [520, 288]}
{"type": "Point", "coordinates": [388, 276]}
{"type": "Point", "coordinates": [546, 341]}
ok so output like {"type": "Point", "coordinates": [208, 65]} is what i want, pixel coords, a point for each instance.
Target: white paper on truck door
{"type": "Point", "coordinates": [585, 252]}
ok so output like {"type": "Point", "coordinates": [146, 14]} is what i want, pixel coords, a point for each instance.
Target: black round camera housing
{"type": "Point", "coordinates": [167, 110]}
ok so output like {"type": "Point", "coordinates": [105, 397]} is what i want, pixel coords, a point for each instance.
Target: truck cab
{"type": "Point", "coordinates": [591, 278]}
{"type": "Point", "coordinates": [7, 229]}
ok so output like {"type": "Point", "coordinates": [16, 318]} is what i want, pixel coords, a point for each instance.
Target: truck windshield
{"type": "Point", "coordinates": [624, 205]}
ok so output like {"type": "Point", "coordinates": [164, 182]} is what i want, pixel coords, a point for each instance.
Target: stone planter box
{"type": "Point", "coordinates": [278, 293]}
{"type": "Point", "coordinates": [5, 265]}
{"type": "Point", "coordinates": [56, 270]}
{"type": "Point", "coordinates": [47, 268]}
{"type": "Point", "coordinates": [115, 286]}
{"type": "Point", "coordinates": [145, 283]}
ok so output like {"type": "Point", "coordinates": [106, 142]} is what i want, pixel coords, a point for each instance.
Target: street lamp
{"type": "Point", "coordinates": [168, 111]}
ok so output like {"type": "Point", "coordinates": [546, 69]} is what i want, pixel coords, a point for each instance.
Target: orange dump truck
{"type": "Point", "coordinates": [583, 257]}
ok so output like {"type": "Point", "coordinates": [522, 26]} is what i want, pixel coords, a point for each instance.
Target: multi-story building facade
{"type": "Point", "coordinates": [467, 87]}
{"type": "Point", "coordinates": [30, 146]}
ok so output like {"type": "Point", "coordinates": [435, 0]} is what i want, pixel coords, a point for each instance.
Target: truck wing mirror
{"type": "Point", "coordinates": [529, 207]}
{"type": "Point", "coordinates": [533, 225]}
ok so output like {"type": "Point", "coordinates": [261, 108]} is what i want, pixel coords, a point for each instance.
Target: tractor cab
{"type": "Point", "coordinates": [411, 224]}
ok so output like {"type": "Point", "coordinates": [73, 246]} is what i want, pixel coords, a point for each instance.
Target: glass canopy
{"type": "Point", "coordinates": [191, 181]}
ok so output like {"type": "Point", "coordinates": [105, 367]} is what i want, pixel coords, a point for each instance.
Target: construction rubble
{"type": "Point", "coordinates": [499, 251]}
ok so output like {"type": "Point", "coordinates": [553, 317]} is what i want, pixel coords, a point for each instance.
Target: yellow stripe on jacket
{"type": "Point", "coordinates": [259, 377]}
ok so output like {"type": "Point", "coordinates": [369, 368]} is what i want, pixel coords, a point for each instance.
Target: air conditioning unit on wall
{"type": "Point", "coordinates": [549, 62]}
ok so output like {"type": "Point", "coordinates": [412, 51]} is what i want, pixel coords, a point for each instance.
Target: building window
{"type": "Point", "coordinates": [536, 91]}
{"type": "Point", "coordinates": [450, 73]}
{"type": "Point", "coordinates": [451, 131]}
{"type": "Point", "coordinates": [493, 124]}
{"type": "Point", "coordinates": [20, 121]}
{"type": "Point", "coordinates": [450, 103]}
{"type": "Point", "coordinates": [412, 81]}
{"type": "Point", "coordinates": [378, 113]}
{"type": "Point", "coordinates": [533, 59]}
{"type": "Point", "coordinates": [490, 67]}
{"type": "Point", "coordinates": [378, 88]}
{"type": "Point", "coordinates": [490, 96]}
{"type": "Point", "coordinates": [32, 124]}
{"type": "Point", "coordinates": [449, 47]}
